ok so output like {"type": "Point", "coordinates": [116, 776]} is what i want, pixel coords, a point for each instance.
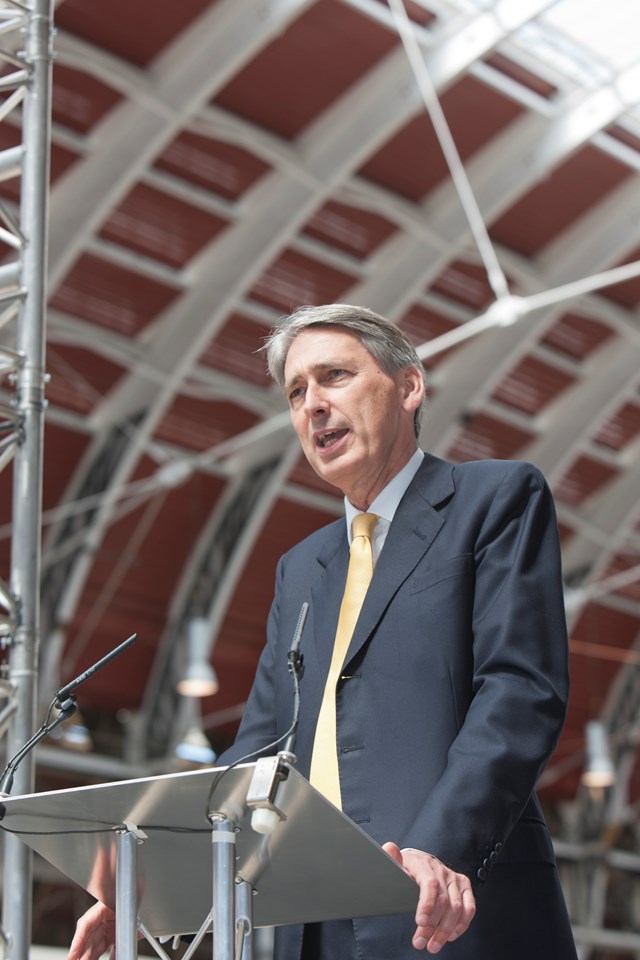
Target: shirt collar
{"type": "Point", "coordinates": [388, 500]}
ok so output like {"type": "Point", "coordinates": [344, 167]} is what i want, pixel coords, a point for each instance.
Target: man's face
{"type": "Point", "coordinates": [354, 421]}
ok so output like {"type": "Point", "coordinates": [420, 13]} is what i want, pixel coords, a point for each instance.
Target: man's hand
{"type": "Point", "coordinates": [446, 906]}
{"type": "Point", "coordinates": [95, 933]}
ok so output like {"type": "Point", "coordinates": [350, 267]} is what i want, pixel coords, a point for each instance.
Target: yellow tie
{"type": "Point", "coordinates": [324, 759]}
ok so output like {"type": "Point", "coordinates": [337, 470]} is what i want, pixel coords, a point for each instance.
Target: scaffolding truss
{"type": "Point", "coordinates": [26, 54]}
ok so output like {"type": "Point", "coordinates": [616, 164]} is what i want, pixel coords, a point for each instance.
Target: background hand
{"type": "Point", "coordinates": [95, 933]}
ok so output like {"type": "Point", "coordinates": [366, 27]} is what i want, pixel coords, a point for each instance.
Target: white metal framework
{"type": "Point", "coordinates": [322, 164]}
{"type": "Point", "coordinates": [24, 294]}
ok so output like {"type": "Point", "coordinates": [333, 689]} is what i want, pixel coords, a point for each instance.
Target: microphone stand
{"type": "Point", "coordinates": [232, 908]}
{"type": "Point", "coordinates": [66, 704]}
{"type": "Point", "coordinates": [67, 709]}
{"type": "Point", "coordinates": [295, 663]}
{"type": "Point", "coordinates": [271, 771]}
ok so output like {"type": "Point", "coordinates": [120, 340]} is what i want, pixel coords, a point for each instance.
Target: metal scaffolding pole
{"type": "Point", "coordinates": [27, 475]}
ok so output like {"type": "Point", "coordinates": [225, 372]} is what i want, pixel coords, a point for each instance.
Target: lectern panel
{"type": "Point", "coordinates": [317, 865]}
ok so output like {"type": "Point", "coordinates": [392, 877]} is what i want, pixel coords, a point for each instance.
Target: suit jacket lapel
{"type": "Point", "coordinates": [414, 528]}
{"type": "Point", "coordinates": [326, 592]}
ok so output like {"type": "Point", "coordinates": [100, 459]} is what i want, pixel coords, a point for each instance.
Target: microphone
{"type": "Point", "coordinates": [64, 692]}
{"type": "Point", "coordinates": [270, 771]}
{"type": "Point", "coordinates": [63, 701]}
{"type": "Point", "coordinates": [294, 657]}
{"type": "Point", "coordinates": [295, 661]}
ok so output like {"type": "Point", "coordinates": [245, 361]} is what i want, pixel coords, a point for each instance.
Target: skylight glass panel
{"type": "Point", "coordinates": [589, 42]}
{"type": "Point", "coordinates": [609, 30]}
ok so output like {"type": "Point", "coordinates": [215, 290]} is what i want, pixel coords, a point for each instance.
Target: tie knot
{"type": "Point", "coordinates": [363, 524]}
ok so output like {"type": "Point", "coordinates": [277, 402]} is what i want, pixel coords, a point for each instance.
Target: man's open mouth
{"type": "Point", "coordinates": [328, 439]}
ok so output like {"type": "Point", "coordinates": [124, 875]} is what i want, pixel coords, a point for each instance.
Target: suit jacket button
{"type": "Point", "coordinates": [486, 863]}
{"type": "Point", "coordinates": [498, 847]}
{"type": "Point", "coordinates": [493, 856]}
{"type": "Point", "coordinates": [482, 874]}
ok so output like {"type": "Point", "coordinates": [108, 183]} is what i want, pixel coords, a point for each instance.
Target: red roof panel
{"type": "Point", "coordinates": [79, 377]}
{"type": "Point", "coordinates": [63, 448]}
{"type": "Point", "coordinates": [111, 296]}
{"type": "Point", "coordinates": [201, 424]}
{"type": "Point", "coordinates": [621, 563]}
{"type": "Point", "coordinates": [133, 31]}
{"type": "Point", "coordinates": [242, 634]}
{"type": "Point", "coordinates": [464, 283]}
{"type": "Point", "coordinates": [584, 478]}
{"type": "Point", "coordinates": [577, 336]}
{"type": "Point", "coordinates": [161, 226]}
{"type": "Point", "coordinates": [235, 350]}
{"type": "Point", "coordinates": [79, 100]}
{"type": "Point", "coordinates": [621, 428]}
{"type": "Point", "coordinates": [558, 200]}
{"type": "Point", "coordinates": [484, 437]}
{"type": "Point", "coordinates": [167, 526]}
{"type": "Point", "coordinates": [295, 279]}
{"type": "Point", "coordinates": [420, 324]}
{"type": "Point", "coordinates": [412, 163]}
{"type": "Point", "coordinates": [531, 385]}
{"type": "Point", "coordinates": [305, 69]}
{"type": "Point", "coordinates": [221, 167]}
{"type": "Point", "coordinates": [515, 71]}
{"type": "Point", "coordinates": [358, 232]}
{"type": "Point", "coordinates": [624, 136]}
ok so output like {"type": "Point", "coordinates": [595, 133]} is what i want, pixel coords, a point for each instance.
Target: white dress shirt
{"type": "Point", "coordinates": [386, 503]}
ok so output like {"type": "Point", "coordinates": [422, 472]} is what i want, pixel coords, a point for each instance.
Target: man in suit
{"type": "Point", "coordinates": [452, 693]}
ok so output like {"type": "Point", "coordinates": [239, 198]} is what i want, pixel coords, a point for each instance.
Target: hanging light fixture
{"type": "Point", "coordinates": [195, 748]}
{"type": "Point", "coordinates": [199, 679]}
{"type": "Point", "coordinates": [599, 771]}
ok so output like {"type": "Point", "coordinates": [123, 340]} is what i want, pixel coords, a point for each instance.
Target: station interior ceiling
{"type": "Point", "coordinates": [468, 169]}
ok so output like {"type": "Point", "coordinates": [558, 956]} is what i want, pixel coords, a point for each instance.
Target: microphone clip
{"type": "Point", "coordinates": [268, 774]}
{"type": "Point", "coordinates": [295, 663]}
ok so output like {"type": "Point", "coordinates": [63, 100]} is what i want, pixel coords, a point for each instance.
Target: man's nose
{"type": "Point", "coordinates": [315, 399]}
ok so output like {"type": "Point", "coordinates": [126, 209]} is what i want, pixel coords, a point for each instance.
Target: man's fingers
{"type": "Point", "coordinates": [446, 905]}
{"type": "Point", "coordinates": [394, 851]}
{"type": "Point", "coordinates": [95, 933]}
{"type": "Point", "coordinates": [456, 918]}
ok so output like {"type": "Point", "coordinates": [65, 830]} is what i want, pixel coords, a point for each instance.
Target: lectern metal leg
{"type": "Point", "coordinates": [223, 837]}
{"type": "Point", "coordinates": [244, 920]}
{"type": "Point", "coordinates": [126, 895]}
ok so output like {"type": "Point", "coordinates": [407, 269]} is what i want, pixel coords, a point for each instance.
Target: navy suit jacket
{"type": "Point", "coordinates": [455, 685]}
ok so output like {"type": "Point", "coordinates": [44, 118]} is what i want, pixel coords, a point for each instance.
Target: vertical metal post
{"type": "Point", "coordinates": [244, 920]}
{"type": "Point", "coordinates": [27, 475]}
{"type": "Point", "coordinates": [223, 838]}
{"type": "Point", "coordinates": [126, 895]}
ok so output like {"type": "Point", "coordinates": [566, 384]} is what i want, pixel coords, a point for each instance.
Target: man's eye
{"type": "Point", "coordinates": [294, 394]}
{"type": "Point", "coordinates": [333, 374]}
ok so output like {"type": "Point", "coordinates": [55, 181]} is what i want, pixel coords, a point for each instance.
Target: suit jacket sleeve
{"type": "Point", "coordinates": [519, 685]}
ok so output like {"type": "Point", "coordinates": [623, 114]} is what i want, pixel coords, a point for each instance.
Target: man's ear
{"type": "Point", "coordinates": [412, 385]}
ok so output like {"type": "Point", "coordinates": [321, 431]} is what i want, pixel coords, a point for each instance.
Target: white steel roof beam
{"type": "Point", "coordinates": [525, 153]}
{"type": "Point", "coordinates": [590, 402]}
{"type": "Point", "coordinates": [335, 146]}
{"type": "Point", "coordinates": [500, 174]}
{"type": "Point", "coordinates": [198, 63]}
